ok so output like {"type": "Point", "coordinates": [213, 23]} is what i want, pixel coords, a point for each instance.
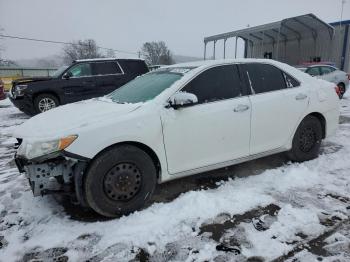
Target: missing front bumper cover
{"type": "Point", "coordinates": [57, 173]}
{"type": "Point", "coordinates": [49, 177]}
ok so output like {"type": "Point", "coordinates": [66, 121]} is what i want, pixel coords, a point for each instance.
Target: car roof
{"type": "Point", "coordinates": [198, 66]}
{"type": "Point", "coordinates": [321, 65]}
{"type": "Point", "coordinates": [208, 63]}
{"type": "Point", "coordinates": [107, 59]}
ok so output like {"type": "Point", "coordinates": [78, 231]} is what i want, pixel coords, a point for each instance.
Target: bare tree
{"type": "Point", "coordinates": [110, 53]}
{"type": "Point", "coordinates": [81, 49]}
{"type": "Point", "coordinates": [156, 53]}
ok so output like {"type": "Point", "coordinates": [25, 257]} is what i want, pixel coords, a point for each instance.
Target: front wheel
{"type": "Point", "coordinates": [45, 102]}
{"type": "Point", "coordinates": [120, 181]}
{"type": "Point", "coordinates": [342, 90]}
{"type": "Point", "coordinates": [307, 140]}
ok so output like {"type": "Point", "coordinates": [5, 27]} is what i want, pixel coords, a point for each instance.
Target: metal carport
{"type": "Point", "coordinates": [292, 40]}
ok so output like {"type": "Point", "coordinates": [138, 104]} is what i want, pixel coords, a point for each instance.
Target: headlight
{"type": "Point", "coordinates": [19, 90]}
{"type": "Point", "coordinates": [35, 149]}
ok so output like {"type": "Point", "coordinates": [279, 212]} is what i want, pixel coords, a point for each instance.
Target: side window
{"type": "Point", "coordinates": [215, 84]}
{"type": "Point", "coordinates": [136, 67]}
{"type": "Point", "coordinates": [106, 68]}
{"type": "Point", "coordinates": [80, 70]}
{"type": "Point", "coordinates": [265, 78]}
{"type": "Point", "coordinates": [291, 81]}
{"type": "Point", "coordinates": [326, 70]}
{"type": "Point", "coordinates": [313, 71]}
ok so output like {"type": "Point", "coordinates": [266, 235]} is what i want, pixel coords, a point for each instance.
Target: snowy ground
{"type": "Point", "coordinates": [263, 210]}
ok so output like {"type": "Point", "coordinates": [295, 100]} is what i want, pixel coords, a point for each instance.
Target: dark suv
{"type": "Point", "coordinates": [83, 79]}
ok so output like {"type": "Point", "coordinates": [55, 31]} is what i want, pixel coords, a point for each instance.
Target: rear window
{"type": "Point", "coordinates": [106, 68]}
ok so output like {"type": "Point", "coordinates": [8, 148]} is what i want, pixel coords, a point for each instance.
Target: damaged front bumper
{"type": "Point", "coordinates": [61, 173]}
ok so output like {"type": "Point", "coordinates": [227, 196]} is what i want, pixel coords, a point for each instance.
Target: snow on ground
{"type": "Point", "coordinates": [285, 211]}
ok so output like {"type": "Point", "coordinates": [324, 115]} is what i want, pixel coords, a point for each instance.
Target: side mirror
{"type": "Point", "coordinates": [67, 75]}
{"type": "Point", "coordinates": [182, 99]}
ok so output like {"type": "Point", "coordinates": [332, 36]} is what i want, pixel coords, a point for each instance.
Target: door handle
{"type": "Point", "coordinates": [301, 96]}
{"type": "Point", "coordinates": [240, 108]}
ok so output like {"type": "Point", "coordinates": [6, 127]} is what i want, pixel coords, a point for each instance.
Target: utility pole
{"type": "Point", "coordinates": [341, 12]}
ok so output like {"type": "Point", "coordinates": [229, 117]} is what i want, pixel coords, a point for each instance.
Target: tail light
{"type": "Point", "coordinates": [337, 90]}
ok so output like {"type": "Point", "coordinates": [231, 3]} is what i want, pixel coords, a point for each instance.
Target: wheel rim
{"type": "Point", "coordinates": [122, 182]}
{"type": "Point", "coordinates": [342, 89]}
{"type": "Point", "coordinates": [307, 139]}
{"type": "Point", "coordinates": [46, 104]}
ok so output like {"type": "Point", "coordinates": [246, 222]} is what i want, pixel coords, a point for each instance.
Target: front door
{"type": "Point", "coordinates": [215, 130]}
{"type": "Point", "coordinates": [81, 83]}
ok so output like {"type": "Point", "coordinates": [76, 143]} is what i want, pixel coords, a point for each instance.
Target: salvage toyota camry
{"type": "Point", "coordinates": [110, 152]}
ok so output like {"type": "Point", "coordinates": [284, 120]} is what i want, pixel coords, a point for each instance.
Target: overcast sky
{"type": "Point", "coordinates": [126, 25]}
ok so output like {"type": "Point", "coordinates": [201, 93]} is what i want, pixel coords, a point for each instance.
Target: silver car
{"type": "Point", "coordinates": [331, 74]}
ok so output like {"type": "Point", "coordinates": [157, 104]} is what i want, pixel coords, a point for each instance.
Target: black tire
{"type": "Point", "coordinates": [49, 99]}
{"type": "Point", "coordinates": [342, 90]}
{"type": "Point", "coordinates": [112, 187]}
{"type": "Point", "coordinates": [307, 140]}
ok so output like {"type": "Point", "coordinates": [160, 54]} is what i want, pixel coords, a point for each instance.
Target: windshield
{"type": "Point", "coordinates": [59, 71]}
{"type": "Point", "coordinates": [148, 86]}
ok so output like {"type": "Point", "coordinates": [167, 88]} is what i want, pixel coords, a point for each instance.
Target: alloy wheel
{"type": "Point", "coordinates": [46, 104]}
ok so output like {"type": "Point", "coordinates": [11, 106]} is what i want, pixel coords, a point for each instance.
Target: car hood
{"type": "Point", "coordinates": [31, 79]}
{"type": "Point", "coordinates": [68, 119]}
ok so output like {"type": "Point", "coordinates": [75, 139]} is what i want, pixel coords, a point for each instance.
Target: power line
{"type": "Point", "coordinates": [63, 43]}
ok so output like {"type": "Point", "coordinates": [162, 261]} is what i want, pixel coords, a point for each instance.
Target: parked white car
{"type": "Point", "coordinates": [174, 122]}
{"type": "Point", "coordinates": [331, 74]}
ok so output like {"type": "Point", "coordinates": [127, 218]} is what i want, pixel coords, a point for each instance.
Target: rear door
{"type": "Point", "coordinates": [278, 102]}
{"type": "Point", "coordinates": [109, 76]}
{"type": "Point", "coordinates": [80, 85]}
{"type": "Point", "coordinates": [135, 67]}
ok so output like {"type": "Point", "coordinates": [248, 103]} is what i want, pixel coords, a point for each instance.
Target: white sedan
{"type": "Point", "coordinates": [331, 74]}
{"type": "Point", "coordinates": [173, 122]}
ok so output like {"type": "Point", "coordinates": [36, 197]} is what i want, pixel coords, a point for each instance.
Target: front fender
{"type": "Point", "coordinates": [147, 132]}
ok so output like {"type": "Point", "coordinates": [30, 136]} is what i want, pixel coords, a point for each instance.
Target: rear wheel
{"type": "Point", "coordinates": [307, 140]}
{"type": "Point", "coordinates": [341, 90]}
{"type": "Point", "coordinates": [120, 181]}
{"type": "Point", "coordinates": [45, 102]}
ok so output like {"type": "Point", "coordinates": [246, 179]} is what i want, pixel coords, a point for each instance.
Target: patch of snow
{"type": "Point", "coordinates": [35, 224]}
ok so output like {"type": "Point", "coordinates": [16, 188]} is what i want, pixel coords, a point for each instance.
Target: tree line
{"type": "Point", "coordinates": [154, 53]}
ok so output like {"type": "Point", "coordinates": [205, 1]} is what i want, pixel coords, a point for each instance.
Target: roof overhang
{"type": "Point", "coordinates": [298, 27]}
